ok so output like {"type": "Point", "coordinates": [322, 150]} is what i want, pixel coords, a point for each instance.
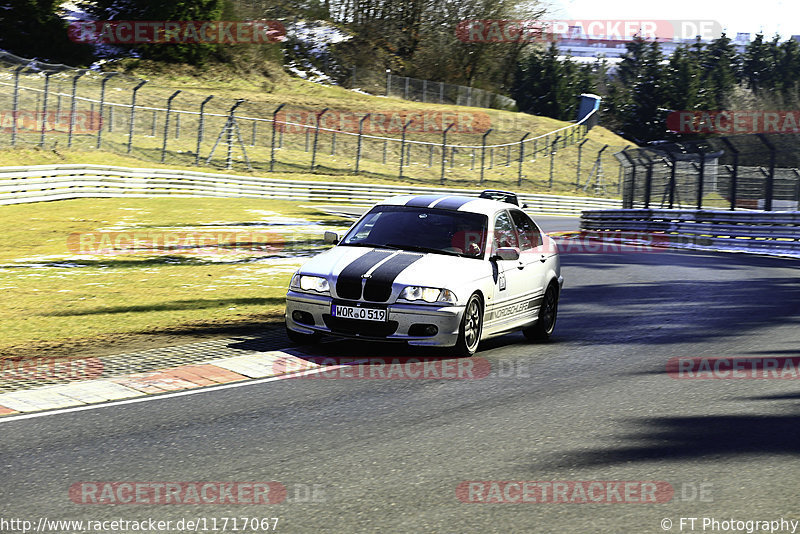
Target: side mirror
{"type": "Point", "coordinates": [507, 253]}
{"type": "Point", "coordinates": [524, 206]}
{"type": "Point", "coordinates": [331, 238]}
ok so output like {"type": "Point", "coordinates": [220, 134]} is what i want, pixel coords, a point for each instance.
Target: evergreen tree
{"type": "Point", "coordinates": [758, 64]}
{"type": "Point", "coordinates": [719, 64]}
{"type": "Point", "coordinates": [645, 116]}
{"type": "Point", "coordinates": [33, 29]}
{"type": "Point", "coordinates": [682, 81]}
{"type": "Point", "coordinates": [201, 10]}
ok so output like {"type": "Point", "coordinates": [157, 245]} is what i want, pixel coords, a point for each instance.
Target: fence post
{"type": "Point", "coordinates": [701, 179]}
{"type": "Point", "coordinates": [106, 77]}
{"type": "Point", "coordinates": [166, 125]}
{"type": "Point", "coordinates": [272, 142]}
{"type": "Point", "coordinates": [769, 186]}
{"type": "Point", "coordinates": [15, 105]}
{"type": "Point", "coordinates": [405, 93]}
{"type": "Point", "coordinates": [44, 106]}
{"type": "Point", "coordinates": [648, 182]}
{"type": "Point", "coordinates": [58, 100]}
{"type": "Point", "coordinates": [403, 147]}
{"type": "Point", "coordinates": [316, 139]}
{"type": "Point", "coordinates": [672, 179]}
{"type": "Point", "coordinates": [253, 134]}
{"type": "Point", "coordinates": [153, 123]}
{"type": "Point", "coordinates": [230, 125]}
{"type": "Point", "coordinates": [578, 172]}
{"type": "Point", "coordinates": [388, 81]}
{"type": "Point", "coordinates": [73, 104]}
{"type": "Point", "coordinates": [521, 158]}
{"type": "Point", "coordinates": [444, 148]}
{"type": "Point", "coordinates": [553, 149]}
{"type": "Point", "coordinates": [631, 190]}
{"type": "Point", "coordinates": [200, 124]}
{"type": "Point", "coordinates": [735, 173]}
{"type": "Point", "coordinates": [360, 139]}
{"type": "Point", "coordinates": [441, 92]}
{"type": "Point", "coordinates": [483, 152]}
{"type": "Point", "coordinates": [133, 114]}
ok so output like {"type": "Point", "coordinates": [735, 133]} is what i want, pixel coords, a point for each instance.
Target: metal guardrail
{"type": "Point", "coordinates": [743, 231]}
{"type": "Point", "coordinates": [58, 182]}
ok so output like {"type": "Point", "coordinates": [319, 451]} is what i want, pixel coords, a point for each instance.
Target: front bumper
{"type": "Point", "coordinates": [401, 318]}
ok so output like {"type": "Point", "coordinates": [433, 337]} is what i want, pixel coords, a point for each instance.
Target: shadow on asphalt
{"type": "Point", "coordinates": [681, 438]}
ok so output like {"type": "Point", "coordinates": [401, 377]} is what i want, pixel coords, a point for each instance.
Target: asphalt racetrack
{"type": "Point", "coordinates": [596, 404]}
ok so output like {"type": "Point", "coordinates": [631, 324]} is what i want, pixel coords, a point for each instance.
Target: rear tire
{"type": "Point", "coordinates": [469, 333]}
{"type": "Point", "coordinates": [548, 312]}
{"type": "Point", "coordinates": [299, 338]}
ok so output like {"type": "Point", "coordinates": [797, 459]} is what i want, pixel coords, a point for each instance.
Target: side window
{"type": "Point", "coordinates": [504, 234]}
{"type": "Point", "coordinates": [529, 236]}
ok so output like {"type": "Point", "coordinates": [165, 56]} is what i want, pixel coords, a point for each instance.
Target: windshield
{"type": "Point", "coordinates": [450, 232]}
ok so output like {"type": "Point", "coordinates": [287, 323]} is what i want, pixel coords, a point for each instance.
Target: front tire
{"type": "Point", "coordinates": [469, 333]}
{"type": "Point", "coordinates": [548, 311]}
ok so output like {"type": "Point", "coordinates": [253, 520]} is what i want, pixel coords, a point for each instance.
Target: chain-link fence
{"type": "Point", "coordinates": [427, 91]}
{"type": "Point", "coordinates": [758, 171]}
{"type": "Point", "coordinates": [52, 106]}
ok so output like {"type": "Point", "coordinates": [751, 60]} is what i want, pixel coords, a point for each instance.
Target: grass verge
{"type": "Point", "coordinates": [60, 298]}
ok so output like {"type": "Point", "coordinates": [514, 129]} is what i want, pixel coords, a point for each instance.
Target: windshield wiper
{"type": "Point", "coordinates": [371, 245]}
{"type": "Point", "coordinates": [416, 248]}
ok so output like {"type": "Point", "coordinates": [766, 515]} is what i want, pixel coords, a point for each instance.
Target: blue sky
{"type": "Point", "coordinates": [769, 16]}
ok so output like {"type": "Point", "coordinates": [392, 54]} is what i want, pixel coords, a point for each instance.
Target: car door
{"type": "Point", "coordinates": [532, 251]}
{"type": "Point", "coordinates": [512, 286]}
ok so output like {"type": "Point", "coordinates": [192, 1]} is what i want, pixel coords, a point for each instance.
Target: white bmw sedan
{"type": "Point", "coordinates": [432, 270]}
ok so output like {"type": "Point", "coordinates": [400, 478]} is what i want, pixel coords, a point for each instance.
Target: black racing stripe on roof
{"type": "Point", "coordinates": [453, 203]}
{"type": "Point", "coordinates": [378, 287]}
{"type": "Point", "coordinates": [348, 283]}
{"type": "Point", "coordinates": [423, 201]}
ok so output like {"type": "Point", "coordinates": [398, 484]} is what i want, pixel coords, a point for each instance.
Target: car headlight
{"type": "Point", "coordinates": [428, 294]}
{"type": "Point", "coordinates": [305, 282]}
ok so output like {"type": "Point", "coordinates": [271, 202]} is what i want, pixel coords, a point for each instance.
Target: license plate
{"type": "Point", "coordinates": [354, 312]}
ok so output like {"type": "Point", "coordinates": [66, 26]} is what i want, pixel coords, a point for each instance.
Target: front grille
{"type": "Point", "coordinates": [349, 288]}
{"type": "Point", "coordinates": [343, 325]}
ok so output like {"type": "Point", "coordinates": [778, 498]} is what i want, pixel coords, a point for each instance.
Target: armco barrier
{"type": "Point", "coordinates": [743, 231]}
{"type": "Point", "coordinates": [59, 182]}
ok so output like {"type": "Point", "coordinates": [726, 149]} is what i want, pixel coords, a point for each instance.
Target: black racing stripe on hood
{"type": "Point", "coordinates": [378, 287]}
{"type": "Point", "coordinates": [348, 283]}
{"type": "Point", "coordinates": [453, 203]}
{"type": "Point", "coordinates": [423, 201]}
